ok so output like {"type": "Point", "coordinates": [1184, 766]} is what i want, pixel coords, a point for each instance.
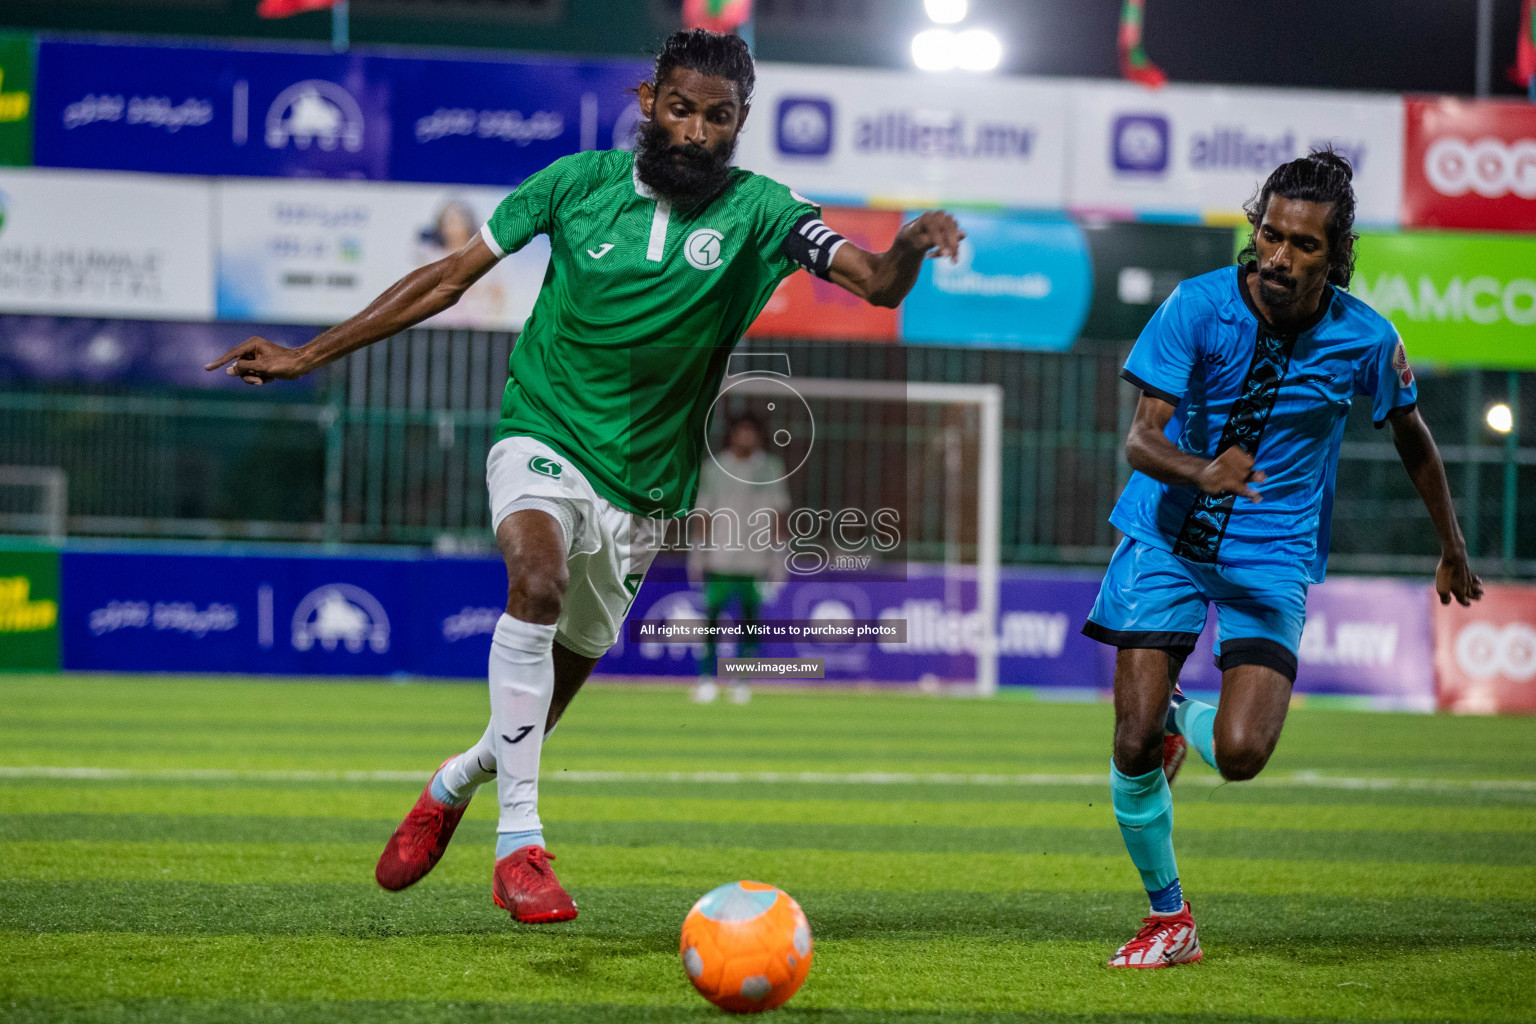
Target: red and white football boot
{"type": "Point", "coordinates": [418, 844]}
{"type": "Point", "coordinates": [524, 884]}
{"type": "Point", "coordinates": [1175, 746]}
{"type": "Point", "coordinates": [1162, 942]}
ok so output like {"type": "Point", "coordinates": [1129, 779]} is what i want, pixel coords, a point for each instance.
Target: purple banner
{"type": "Point", "coordinates": [1367, 638]}
{"type": "Point", "coordinates": [147, 352]}
{"type": "Point", "coordinates": [1363, 638]}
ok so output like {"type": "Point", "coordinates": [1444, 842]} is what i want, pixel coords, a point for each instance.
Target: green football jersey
{"type": "Point", "coordinates": [622, 357]}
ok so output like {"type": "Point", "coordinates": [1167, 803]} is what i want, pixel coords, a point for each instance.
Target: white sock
{"type": "Point", "coordinates": [522, 683]}
{"type": "Point", "coordinates": [466, 773]}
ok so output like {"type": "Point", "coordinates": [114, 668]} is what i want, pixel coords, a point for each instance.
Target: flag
{"type": "Point", "coordinates": [1134, 63]}
{"type": "Point", "coordinates": [283, 8]}
{"type": "Point", "coordinates": [715, 15]}
{"type": "Point", "coordinates": [1524, 71]}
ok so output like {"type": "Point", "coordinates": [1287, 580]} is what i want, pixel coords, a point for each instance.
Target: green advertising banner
{"type": "Point", "coordinates": [1457, 298]}
{"type": "Point", "coordinates": [29, 611]}
{"type": "Point", "coordinates": [18, 67]}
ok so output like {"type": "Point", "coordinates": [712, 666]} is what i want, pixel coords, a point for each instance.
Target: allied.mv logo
{"type": "Point", "coordinates": [545, 467]}
{"type": "Point", "coordinates": [703, 249]}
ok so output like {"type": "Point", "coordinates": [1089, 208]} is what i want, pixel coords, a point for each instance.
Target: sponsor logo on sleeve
{"type": "Point", "coordinates": [545, 466]}
{"type": "Point", "coordinates": [1400, 364]}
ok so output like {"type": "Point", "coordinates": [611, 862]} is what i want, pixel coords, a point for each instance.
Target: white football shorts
{"type": "Point", "coordinates": [608, 549]}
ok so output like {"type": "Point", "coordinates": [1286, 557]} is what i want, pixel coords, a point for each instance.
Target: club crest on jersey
{"type": "Point", "coordinates": [1400, 364]}
{"type": "Point", "coordinates": [546, 467]}
{"type": "Point", "coordinates": [703, 249]}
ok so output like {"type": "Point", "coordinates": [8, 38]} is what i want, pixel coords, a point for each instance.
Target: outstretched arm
{"type": "Point", "coordinates": [884, 279]}
{"type": "Point", "coordinates": [1416, 447]}
{"type": "Point", "coordinates": [422, 293]}
{"type": "Point", "coordinates": [1148, 450]}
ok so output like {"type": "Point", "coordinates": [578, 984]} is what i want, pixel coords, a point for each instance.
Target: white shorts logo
{"type": "Point", "coordinates": [1489, 167]}
{"type": "Point", "coordinates": [703, 249]}
{"type": "Point", "coordinates": [1484, 650]}
{"type": "Point", "coordinates": [340, 613]}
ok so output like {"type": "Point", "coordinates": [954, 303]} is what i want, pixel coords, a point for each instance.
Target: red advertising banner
{"type": "Point", "coordinates": [1470, 165]}
{"type": "Point", "coordinates": [808, 307]}
{"type": "Point", "coordinates": [1485, 655]}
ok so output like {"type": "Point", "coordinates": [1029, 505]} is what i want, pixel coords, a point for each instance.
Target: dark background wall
{"type": "Point", "coordinates": [1396, 45]}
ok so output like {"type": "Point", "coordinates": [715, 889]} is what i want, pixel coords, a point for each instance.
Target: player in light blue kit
{"type": "Point", "coordinates": [1246, 375]}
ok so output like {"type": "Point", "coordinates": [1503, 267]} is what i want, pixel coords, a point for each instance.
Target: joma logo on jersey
{"type": "Point", "coordinates": [547, 467]}
{"type": "Point", "coordinates": [703, 249]}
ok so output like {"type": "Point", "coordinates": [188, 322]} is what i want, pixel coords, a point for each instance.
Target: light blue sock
{"type": "Point", "coordinates": [1144, 808]}
{"type": "Point", "coordinates": [506, 842]}
{"type": "Point", "coordinates": [441, 794]}
{"type": "Point", "coordinates": [1197, 723]}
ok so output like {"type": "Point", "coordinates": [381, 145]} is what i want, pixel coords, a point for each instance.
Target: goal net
{"type": "Point", "coordinates": [893, 482]}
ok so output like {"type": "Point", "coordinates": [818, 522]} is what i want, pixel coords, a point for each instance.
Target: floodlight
{"type": "Point", "coordinates": [946, 12]}
{"type": "Point", "coordinates": [977, 49]}
{"type": "Point", "coordinates": [934, 49]}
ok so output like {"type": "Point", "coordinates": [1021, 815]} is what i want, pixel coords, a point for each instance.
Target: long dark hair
{"type": "Point", "coordinates": [1321, 176]}
{"type": "Point", "coordinates": [708, 53]}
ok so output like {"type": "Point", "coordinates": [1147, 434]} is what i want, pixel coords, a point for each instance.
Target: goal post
{"type": "Point", "coordinates": [987, 402]}
{"type": "Point", "coordinates": [49, 484]}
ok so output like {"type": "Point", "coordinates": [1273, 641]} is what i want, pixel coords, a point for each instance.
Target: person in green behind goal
{"type": "Point", "coordinates": [659, 260]}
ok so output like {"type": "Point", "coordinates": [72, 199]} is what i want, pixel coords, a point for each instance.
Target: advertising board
{"type": "Point", "coordinates": [29, 610]}
{"type": "Point", "coordinates": [1196, 151]}
{"type": "Point", "coordinates": [289, 113]}
{"type": "Point", "coordinates": [1366, 638]}
{"type": "Point", "coordinates": [1457, 298]}
{"type": "Point", "coordinates": [316, 252]}
{"type": "Point", "coordinates": [1485, 655]}
{"type": "Point", "coordinates": [105, 245]}
{"type": "Point", "coordinates": [1019, 282]}
{"type": "Point", "coordinates": [1470, 165]}
{"type": "Point", "coordinates": [805, 306]}
{"type": "Point", "coordinates": [1138, 265]}
{"type": "Point", "coordinates": [889, 137]}
{"type": "Point", "coordinates": [17, 84]}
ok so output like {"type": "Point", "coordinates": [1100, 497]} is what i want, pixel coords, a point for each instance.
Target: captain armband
{"type": "Point", "coordinates": [812, 244]}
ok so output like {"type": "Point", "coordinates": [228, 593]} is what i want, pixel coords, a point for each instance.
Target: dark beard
{"type": "Point", "coordinates": [1278, 292]}
{"type": "Point", "coordinates": [684, 176]}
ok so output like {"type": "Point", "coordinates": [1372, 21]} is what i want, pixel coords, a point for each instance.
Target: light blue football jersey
{"type": "Point", "coordinates": [1283, 398]}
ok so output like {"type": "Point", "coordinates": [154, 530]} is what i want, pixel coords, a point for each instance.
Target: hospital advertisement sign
{"type": "Point", "coordinates": [81, 244]}
{"type": "Point", "coordinates": [1456, 298]}
{"type": "Point", "coordinates": [1470, 165]}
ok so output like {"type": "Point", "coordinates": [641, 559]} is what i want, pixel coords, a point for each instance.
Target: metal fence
{"type": "Point", "coordinates": [391, 446]}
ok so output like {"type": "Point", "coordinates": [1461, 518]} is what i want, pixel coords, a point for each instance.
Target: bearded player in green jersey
{"type": "Point", "coordinates": [659, 260]}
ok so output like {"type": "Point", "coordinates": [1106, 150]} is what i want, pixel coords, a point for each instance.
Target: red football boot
{"type": "Point", "coordinates": [1175, 746]}
{"type": "Point", "coordinates": [1162, 942]}
{"type": "Point", "coordinates": [525, 884]}
{"type": "Point", "coordinates": [419, 842]}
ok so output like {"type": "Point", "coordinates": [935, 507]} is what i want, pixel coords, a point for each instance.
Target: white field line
{"type": "Point", "coordinates": [1310, 780]}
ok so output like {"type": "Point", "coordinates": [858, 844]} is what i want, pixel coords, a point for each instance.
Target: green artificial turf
{"type": "Point", "coordinates": [958, 860]}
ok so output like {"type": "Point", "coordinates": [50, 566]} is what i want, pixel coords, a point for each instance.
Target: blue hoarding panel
{"type": "Point", "coordinates": [1019, 282]}
{"type": "Point", "coordinates": [495, 123]}
{"type": "Point", "coordinates": [193, 110]}
{"type": "Point", "coordinates": [185, 110]}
